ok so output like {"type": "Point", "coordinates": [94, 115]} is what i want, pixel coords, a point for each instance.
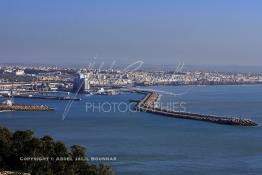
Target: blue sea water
{"type": "Point", "coordinates": [150, 144]}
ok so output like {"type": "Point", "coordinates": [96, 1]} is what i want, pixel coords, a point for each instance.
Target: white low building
{"type": "Point", "coordinates": [20, 72]}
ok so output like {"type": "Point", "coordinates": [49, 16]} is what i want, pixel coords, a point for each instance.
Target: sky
{"type": "Point", "coordinates": [196, 32]}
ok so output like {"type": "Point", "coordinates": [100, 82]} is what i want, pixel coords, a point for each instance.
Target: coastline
{"type": "Point", "coordinates": [93, 129]}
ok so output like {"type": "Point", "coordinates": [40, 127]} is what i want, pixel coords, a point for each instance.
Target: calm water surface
{"type": "Point", "coordinates": [150, 144]}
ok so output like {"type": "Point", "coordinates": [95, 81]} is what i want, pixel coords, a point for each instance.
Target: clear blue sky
{"type": "Point", "coordinates": [208, 32]}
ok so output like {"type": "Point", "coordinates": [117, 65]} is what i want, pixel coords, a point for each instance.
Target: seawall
{"type": "Point", "coordinates": [23, 107]}
{"type": "Point", "coordinates": [148, 104]}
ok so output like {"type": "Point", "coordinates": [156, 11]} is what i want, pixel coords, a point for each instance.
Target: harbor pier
{"type": "Point", "coordinates": [24, 107]}
{"type": "Point", "coordinates": [148, 104]}
{"type": "Point", "coordinates": [43, 97]}
{"type": "Point", "coordinates": [9, 106]}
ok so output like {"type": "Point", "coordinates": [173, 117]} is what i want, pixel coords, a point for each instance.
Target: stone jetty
{"type": "Point", "coordinates": [23, 107]}
{"type": "Point", "coordinates": [43, 97]}
{"type": "Point", "coordinates": [148, 104]}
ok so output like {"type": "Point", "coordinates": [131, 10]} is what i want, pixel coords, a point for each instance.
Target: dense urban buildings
{"type": "Point", "coordinates": [43, 78]}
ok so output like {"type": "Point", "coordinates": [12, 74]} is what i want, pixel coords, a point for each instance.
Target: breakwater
{"type": "Point", "coordinates": [148, 104]}
{"type": "Point", "coordinates": [43, 97]}
{"type": "Point", "coordinates": [24, 107]}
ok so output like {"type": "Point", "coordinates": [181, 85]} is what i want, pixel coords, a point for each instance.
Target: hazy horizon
{"type": "Point", "coordinates": [149, 67]}
{"type": "Point", "coordinates": [156, 32]}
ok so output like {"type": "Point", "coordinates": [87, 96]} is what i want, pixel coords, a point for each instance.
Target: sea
{"type": "Point", "coordinates": [149, 144]}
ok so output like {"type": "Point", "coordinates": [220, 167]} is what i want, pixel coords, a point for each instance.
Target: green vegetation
{"type": "Point", "coordinates": [22, 144]}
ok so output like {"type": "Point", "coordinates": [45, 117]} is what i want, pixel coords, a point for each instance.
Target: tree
{"type": "Point", "coordinates": [104, 170]}
{"type": "Point", "coordinates": [24, 144]}
{"type": "Point", "coordinates": [5, 143]}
